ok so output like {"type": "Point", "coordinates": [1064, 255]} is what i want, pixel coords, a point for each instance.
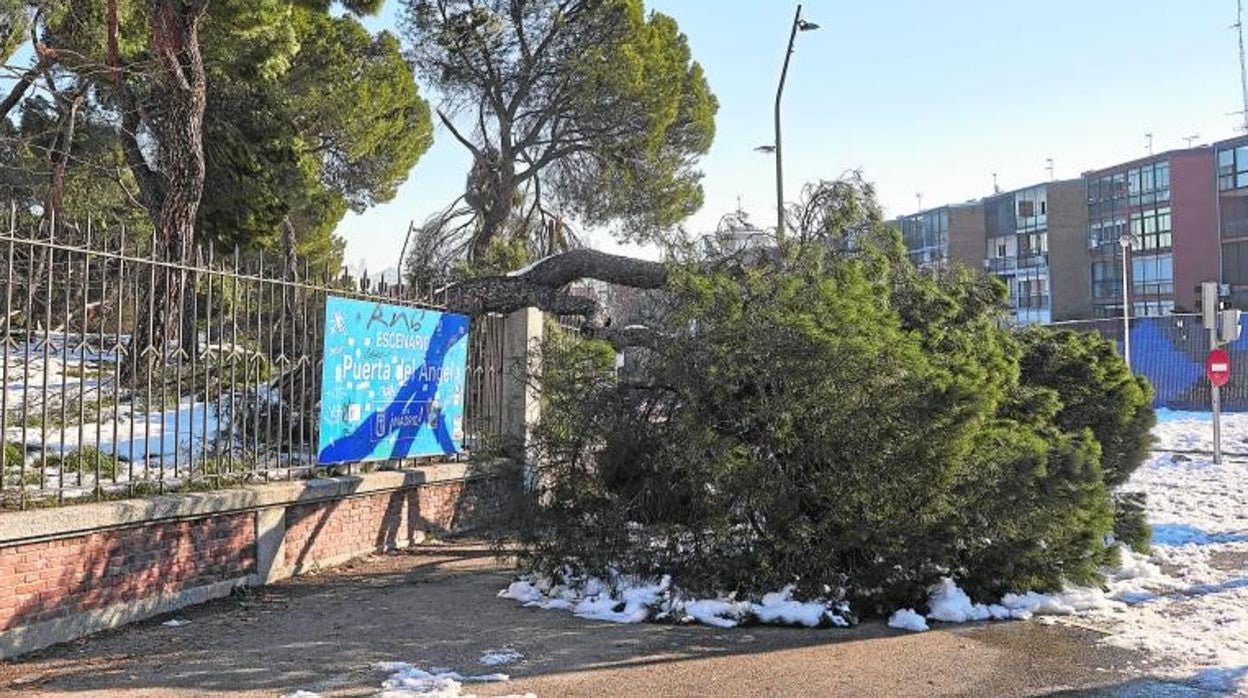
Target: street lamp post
{"type": "Point", "coordinates": [1126, 240]}
{"type": "Point", "coordinates": [799, 24]}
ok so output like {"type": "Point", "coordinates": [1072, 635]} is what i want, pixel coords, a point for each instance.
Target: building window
{"type": "Point", "coordinates": [1152, 228]}
{"type": "Point", "coordinates": [1153, 275]}
{"type": "Point", "coordinates": [1149, 184]}
{"type": "Point", "coordinates": [1114, 311]}
{"type": "Point", "coordinates": [1151, 308]}
{"type": "Point", "coordinates": [1233, 168]}
{"type": "Point", "coordinates": [1235, 263]}
{"type": "Point", "coordinates": [1032, 294]}
{"type": "Point", "coordinates": [926, 236]}
{"type": "Point", "coordinates": [1031, 209]}
{"type": "Point", "coordinates": [1106, 280]}
{"type": "Point", "coordinates": [1105, 232]}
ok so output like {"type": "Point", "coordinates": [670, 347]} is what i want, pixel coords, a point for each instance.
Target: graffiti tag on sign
{"type": "Point", "coordinates": [393, 382]}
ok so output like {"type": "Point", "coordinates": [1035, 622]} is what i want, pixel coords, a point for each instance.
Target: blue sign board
{"type": "Point", "coordinates": [393, 382]}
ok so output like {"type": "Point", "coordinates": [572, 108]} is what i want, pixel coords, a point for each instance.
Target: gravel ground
{"type": "Point", "coordinates": [436, 606]}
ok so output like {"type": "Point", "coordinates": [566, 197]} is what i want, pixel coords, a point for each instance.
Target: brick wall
{"type": "Point", "coordinates": [59, 581]}
{"type": "Point", "coordinates": [323, 534]}
{"type": "Point", "coordinates": [55, 579]}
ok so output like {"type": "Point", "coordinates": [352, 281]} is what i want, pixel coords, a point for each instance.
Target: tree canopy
{"type": "Point", "coordinates": [306, 115]}
{"type": "Point", "coordinates": [585, 111]}
{"type": "Point", "coordinates": [303, 136]}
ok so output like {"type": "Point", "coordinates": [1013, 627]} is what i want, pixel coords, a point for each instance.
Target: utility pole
{"type": "Point", "coordinates": [799, 24]}
{"type": "Point", "coordinates": [1243, 66]}
{"type": "Point", "coordinates": [1126, 240]}
{"type": "Point", "coordinates": [995, 189]}
{"type": "Point", "coordinates": [1149, 136]}
{"type": "Point", "coordinates": [1049, 166]}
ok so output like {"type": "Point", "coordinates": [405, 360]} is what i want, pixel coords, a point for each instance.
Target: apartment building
{"type": "Point", "coordinates": [1165, 205]}
{"type": "Point", "coordinates": [1231, 163]}
{"type": "Point", "coordinates": [1059, 246]}
{"type": "Point", "coordinates": [1016, 236]}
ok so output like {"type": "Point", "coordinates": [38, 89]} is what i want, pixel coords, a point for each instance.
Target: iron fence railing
{"type": "Point", "coordinates": [102, 401]}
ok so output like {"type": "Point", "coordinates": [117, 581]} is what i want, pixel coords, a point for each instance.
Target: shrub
{"type": "Point", "coordinates": [83, 461]}
{"type": "Point", "coordinates": [1097, 390]}
{"type": "Point", "coordinates": [835, 419]}
{"type": "Point", "coordinates": [14, 454]}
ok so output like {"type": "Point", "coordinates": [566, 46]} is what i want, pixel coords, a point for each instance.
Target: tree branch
{"type": "Point", "coordinates": [19, 90]}
{"type": "Point", "coordinates": [540, 285]}
{"type": "Point", "coordinates": [622, 337]}
{"type": "Point", "coordinates": [446, 121]}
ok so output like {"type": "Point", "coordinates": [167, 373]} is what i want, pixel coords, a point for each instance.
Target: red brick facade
{"type": "Point", "coordinates": [152, 567]}
{"type": "Point", "coordinates": [325, 533]}
{"type": "Point", "coordinates": [54, 579]}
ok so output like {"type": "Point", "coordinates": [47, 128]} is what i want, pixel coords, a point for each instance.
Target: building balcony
{"type": "Point", "coordinates": [1000, 265]}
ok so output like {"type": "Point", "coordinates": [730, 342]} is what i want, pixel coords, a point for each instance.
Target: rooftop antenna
{"type": "Point", "coordinates": [1191, 139]}
{"type": "Point", "coordinates": [996, 189]}
{"type": "Point", "coordinates": [1048, 165]}
{"type": "Point", "coordinates": [1149, 136]}
{"type": "Point", "coordinates": [1238, 26]}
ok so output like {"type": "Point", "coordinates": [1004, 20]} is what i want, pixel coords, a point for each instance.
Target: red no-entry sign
{"type": "Point", "coordinates": [1218, 367]}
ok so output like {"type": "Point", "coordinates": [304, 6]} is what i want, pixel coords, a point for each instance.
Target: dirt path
{"type": "Point", "coordinates": [437, 608]}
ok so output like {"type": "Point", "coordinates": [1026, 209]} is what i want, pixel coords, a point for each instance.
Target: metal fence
{"type": "Point", "coordinates": [100, 401]}
{"type": "Point", "coordinates": [1170, 351]}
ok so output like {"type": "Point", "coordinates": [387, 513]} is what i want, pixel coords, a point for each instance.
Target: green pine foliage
{"type": "Point", "coordinates": [1096, 390]}
{"type": "Point", "coordinates": [839, 420]}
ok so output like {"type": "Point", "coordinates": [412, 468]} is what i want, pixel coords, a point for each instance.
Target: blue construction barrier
{"type": "Point", "coordinates": [1171, 352]}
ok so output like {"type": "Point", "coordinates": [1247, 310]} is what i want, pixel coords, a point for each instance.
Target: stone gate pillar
{"type": "Point", "coordinates": [522, 338]}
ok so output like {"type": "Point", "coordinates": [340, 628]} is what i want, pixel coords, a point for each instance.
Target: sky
{"type": "Point", "coordinates": [923, 96]}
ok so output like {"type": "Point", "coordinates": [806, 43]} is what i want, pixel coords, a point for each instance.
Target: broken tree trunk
{"type": "Point", "coordinates": [541, 285]}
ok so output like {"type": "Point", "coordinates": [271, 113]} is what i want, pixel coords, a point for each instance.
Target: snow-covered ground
{"type": "Point", "coordinates": [85, 410]}
{"type": "Point", "coordinates": [73, 377]}
{"type": "Point", "coordinates": [1187, 606]}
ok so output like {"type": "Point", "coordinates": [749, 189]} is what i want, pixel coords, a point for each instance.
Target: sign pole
{"type": "Point", "coordinates": [1217, 426]}
{"type": "Point", "coordinates": [1216, 398]}
{"type": "Point", "coordinates": [1218, 364]}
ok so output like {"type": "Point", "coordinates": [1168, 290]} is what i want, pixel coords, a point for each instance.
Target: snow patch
{"type": "Point", "coordinates": [408, 681]}
{"type": "Point", "coordinates": [625, 599]}
{"type": "Point", "coordinates": [500, 657]}
{"type": "Point", "coordinates": [715, 613]}
{"type": "Point", "coordinates": [779, 607]}
{"type": "Point", "coordinates": [907, 619]}
{"type": "Point", "coordinates": [948, 603]}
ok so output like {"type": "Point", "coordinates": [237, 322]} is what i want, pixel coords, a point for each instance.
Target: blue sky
{"type": "Point", "coordinates": [923, 96]}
